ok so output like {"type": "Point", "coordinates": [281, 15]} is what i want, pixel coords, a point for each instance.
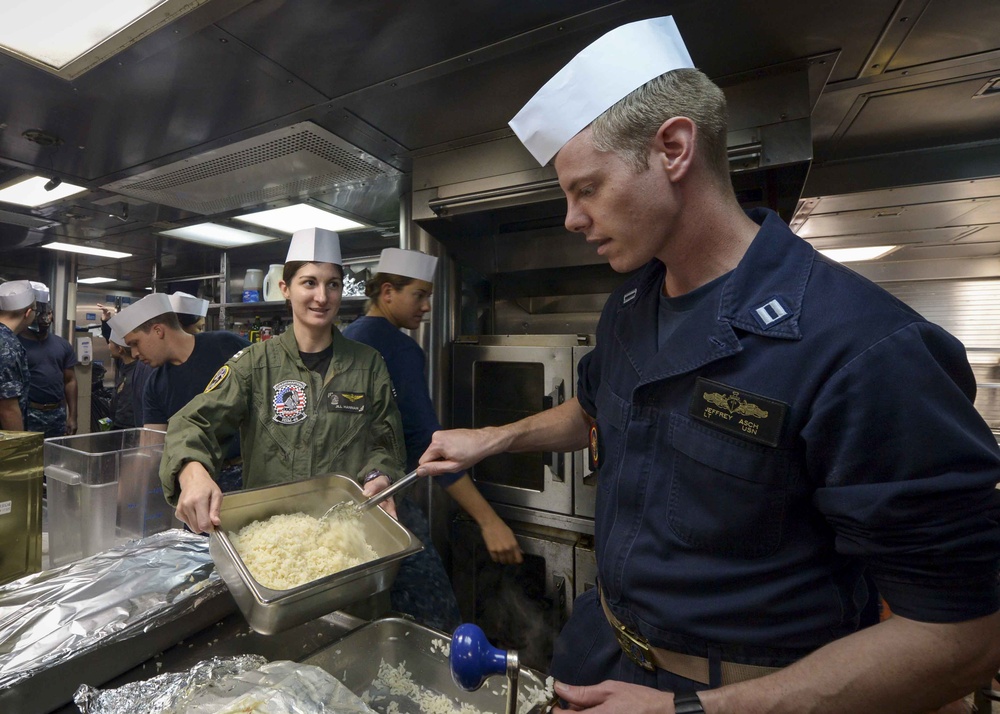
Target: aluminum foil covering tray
{"type": "Point", "coordinates": [91, 620]}
{"type": "Point", "coordinates": [270, 611]}
{"type": "Point", "coordinates": [398, 666]}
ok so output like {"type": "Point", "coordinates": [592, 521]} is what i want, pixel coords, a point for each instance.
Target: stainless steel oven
{"type": "Point", "coordinates": [499, 379]}
{"type": "Point", "coordinates": [521, 607]}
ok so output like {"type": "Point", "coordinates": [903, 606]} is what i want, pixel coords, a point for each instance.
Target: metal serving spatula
{"type": "Point", "coordinates": [350, 508]}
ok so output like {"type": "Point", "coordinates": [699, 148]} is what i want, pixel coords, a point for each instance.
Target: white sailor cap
{"type": "Point", "coordinates": [314, 245]}
{"type": "Point", "coordinates": [41, 291]}
{"type": "Point", "coordinates": [608, 70]}
{"type": "Point", "coordinates": [16, 295]}
{"type": "Point", "coordinates": [408, 263]}
{"type": "Point", "coordinates": [117, 338]}
{"type": "Point", "coordinates": [137, 313]}
{"type": "Point", "coordinates": [187, 304]}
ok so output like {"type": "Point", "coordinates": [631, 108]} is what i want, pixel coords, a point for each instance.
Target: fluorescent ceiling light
{"type": "Point", "coordinates": [293, 218]}
{"type": "Point", "coordinates": [95, 281]}
{"type": "Point", "coordinates": [31, 192]}
{"type": "Point", "coordinates": [86, 250]}
{"type": "Point", "coordinates": [856, 255]}
{"type": "Point", "coordinates": [216, 235]}
{"type": "Point", "coordinates": [68, 37]}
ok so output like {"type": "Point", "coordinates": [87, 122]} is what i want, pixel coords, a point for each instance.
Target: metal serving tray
{"type": "Point", "coordinates": [269, 611]}
{"type": "Point", "coordinates": [355, 660]}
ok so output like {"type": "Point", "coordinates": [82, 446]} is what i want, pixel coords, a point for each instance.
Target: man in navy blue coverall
{"type": "Point", "coordinates": [772, 432]}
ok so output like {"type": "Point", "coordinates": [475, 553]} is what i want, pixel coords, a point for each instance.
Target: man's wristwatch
{"type": "Point", "coordinates": [374, 474]}
{"type": "Point", "coordinates": [688, 703]}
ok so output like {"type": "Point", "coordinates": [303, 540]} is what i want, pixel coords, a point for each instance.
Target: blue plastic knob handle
{"type": "Point", "coordinates": [473, 658]}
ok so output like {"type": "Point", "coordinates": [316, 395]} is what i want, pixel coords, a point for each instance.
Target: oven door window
{"type": "Point", "coordinates": [506, 392]}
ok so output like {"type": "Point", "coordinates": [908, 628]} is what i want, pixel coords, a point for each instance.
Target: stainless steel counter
{"type": "Point", "coordinates": [232, 636]}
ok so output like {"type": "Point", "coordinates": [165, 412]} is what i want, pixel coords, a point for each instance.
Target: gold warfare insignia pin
{"type": "Point", "coordinates": [219, 377]}
{"type": "Point", "coordinates": [749, 416]}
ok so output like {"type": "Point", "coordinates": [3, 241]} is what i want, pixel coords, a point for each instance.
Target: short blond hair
{"type": "Point", "coordinates": [628, 127]}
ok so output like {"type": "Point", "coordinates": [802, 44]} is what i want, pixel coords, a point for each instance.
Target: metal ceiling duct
{"type": "Point", "coordinates": [290, 163]}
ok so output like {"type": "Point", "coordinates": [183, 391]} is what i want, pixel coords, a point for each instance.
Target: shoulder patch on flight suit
{"type": "Point", "coordinates": [289, 402]}
{"type": "Point", "coordinates": [771, 313]}
{"type": "Point", "coordinates": [740, 413]}
{"type": "Point", "coordinates": [218, 379]}
{"type": "Point", "coordinates": [346, 402]}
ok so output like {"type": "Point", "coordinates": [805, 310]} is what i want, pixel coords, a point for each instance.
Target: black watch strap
{"type": "Point", "coordinates": [688, 703]}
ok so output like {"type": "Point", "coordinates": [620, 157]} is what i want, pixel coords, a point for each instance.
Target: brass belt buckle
{"type": "Point", "coordinates": [635, 647]}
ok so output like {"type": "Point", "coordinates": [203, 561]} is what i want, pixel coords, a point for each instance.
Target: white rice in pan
{"type": "Point", "coordinates": [289, 550]}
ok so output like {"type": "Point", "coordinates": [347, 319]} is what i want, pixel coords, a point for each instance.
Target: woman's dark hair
{"type": "Point", "coordinates": [293, 267]}
{"type": "Point", "coordinates": [373, 286]}
{"type": "Point", "coordinates": [187, 319]}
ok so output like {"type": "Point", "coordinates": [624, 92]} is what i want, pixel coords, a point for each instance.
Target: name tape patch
{"type": "Point", "coordinates": [740, 413]}
{"type": "Point", "coordinates": [354, 402]}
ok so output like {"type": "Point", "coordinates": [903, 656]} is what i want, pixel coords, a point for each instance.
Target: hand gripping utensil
{"type": "Point", "coordinates": [350, 508]}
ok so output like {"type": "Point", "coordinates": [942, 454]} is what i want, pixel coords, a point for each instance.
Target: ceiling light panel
{"type": "Point", "coordinates": [86, 250]}
{"type": "Point", "coordinates": [293, 218]}
{"type": "Point", "coordinates": [95, 281]}
{"type": "Point", "coordinates": [857, 255]}
{"type": "Point", "coordinates": [216, 235]}
{"type": "Point", "coordinates": [31, 192]}
{"type": "Point", "coordinates": [69, 37]}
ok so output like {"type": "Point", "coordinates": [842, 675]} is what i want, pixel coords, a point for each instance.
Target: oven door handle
{"type": "Point", "coordinates": [556, 459]}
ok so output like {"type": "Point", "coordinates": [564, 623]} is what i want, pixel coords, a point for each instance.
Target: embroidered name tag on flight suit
{"type": "Point", "coordinates": [346, 402]}
{"type": "Point", "coordinates": [743, 414]}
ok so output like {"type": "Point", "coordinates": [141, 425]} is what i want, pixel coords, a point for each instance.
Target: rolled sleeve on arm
{"type": "Point", "coordinates": [909, 472]}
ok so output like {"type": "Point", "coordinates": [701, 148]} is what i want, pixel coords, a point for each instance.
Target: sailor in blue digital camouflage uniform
{"type": "Point", "coordinates": [17, 310]}
{"type": "Point", "coordinates": [767, 424]}
{"type": "Point", "coordinates": [53, 392]}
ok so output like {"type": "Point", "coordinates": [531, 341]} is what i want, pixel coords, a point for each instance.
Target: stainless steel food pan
{"type": "Point", "coordinates": [269, 611]}
{"type": "Point", "coordinates": [355, 660]}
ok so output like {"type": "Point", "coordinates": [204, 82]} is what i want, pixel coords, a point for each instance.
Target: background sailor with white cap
{"type": "Point", "coordinates": [190, 311]}
{"type": "Point", "coordinates": [131, 376]}
{"type": "Point", "coordinates": [399, 294]}
{"type": "Point", "coordinates": [182, 365]}
{"type": "Point", "coordinates": [768, 427]}
{"type": "Point", "coordinates": [17, 310]}
{"type": "Point", "coordinates": [51, 358]}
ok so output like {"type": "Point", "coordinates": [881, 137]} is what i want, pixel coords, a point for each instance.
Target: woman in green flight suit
{"type": "Point", "coordinates": [305, 403]}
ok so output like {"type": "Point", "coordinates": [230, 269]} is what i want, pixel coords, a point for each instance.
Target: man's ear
{"type": "Point", "coordinates": [674, 146]}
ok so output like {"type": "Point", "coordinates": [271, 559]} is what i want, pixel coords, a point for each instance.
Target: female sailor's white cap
{"type": "Point", "coordinates": [314, 245]}
{"type": "Point", "coordinates": [16, 295]}
{"type": "Point", "coordinates": [407, 263]}
{"type": "Point", "coordinates": [41, 291]}
{"type": "Point", "coordinates": [137, 313]}
{"type": "Point", "coordinates": [187, 304]}
{"type": "Point", "coordinates": [608, 70]}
